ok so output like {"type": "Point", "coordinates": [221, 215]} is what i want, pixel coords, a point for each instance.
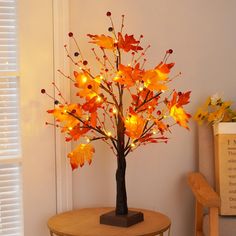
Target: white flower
{"type": "Point", "coordinates": [215, 98]}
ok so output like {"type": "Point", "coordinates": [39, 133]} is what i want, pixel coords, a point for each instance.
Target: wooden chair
{"type": "Point", "coordinates": [207, 219]}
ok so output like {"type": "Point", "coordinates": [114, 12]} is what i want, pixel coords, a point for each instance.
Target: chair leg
{"type": "Point", "coordinates": [214, 221]}
{"type": "Point", "coordinates": [198, 217]}
{"type": "Point", "coordinates": [169, 231]}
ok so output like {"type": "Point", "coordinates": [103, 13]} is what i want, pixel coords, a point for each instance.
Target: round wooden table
{"type": "Point", "coordinates": [85, 222]}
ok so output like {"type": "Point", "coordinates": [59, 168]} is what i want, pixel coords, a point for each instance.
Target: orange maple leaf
{"type": "Point", "coordinates": [141, 105]}
{"type": "Point", "coordinates": [180, 116]}
{"type": "Point", "coordinates": [154, 81]}
{"type": "Point", "coordinates": [80, 155]}
{"type": "Point", "coordinates": [93, 119]}
{"type": "Point", "coordinates": [93, 104]}
{"type": "Point", "coordinates": [179, 99]}
{"type": "Point", "coordinates": [164, 68]}
{"type": "Point", "coordinates": [175, 106]}
{"type": "Point", "coordinates": [102, 41]}
{"type": "Point", "coordinates": [89, 86]}
{"type": "Point", "coordinates": [62, 114]}
{"type": "Point", "coordinates": [161, 126]}
{"type": "Point", "coordinates": [128, 75]}
{"type": "Point", "coordinates": [134, 125]}
{"type": "Point", "coordinates": [183, 98]}
{"type": "Point", "coordinates": [76, 133]}
{"type": "Point", "coordinates": [128, 43]}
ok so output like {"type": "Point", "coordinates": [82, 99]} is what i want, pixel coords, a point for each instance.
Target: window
{"type": "Point", "coordinates": [11, 223]}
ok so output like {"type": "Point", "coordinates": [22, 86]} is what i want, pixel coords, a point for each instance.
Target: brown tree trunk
{"type": "Point", "coordinates": [121, 197]}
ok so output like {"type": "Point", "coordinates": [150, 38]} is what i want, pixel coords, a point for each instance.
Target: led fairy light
{"type": "Point", "coordinates": [140, 88]}
{"type": "Point", "coordinates": [84, 79]}
{"type": "Point", "coordinates": [88, 140]}
{"type": "Point", "coordinates": [114, 110]}
{"type": "Point", "coordinates": [98, 99]}
{"type": "Point", "coordinates": [133, 145]}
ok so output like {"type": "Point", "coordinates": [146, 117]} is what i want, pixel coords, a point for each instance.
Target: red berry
{"type": "Point", "coordinates": [70, 34]}
{"type": "Point", "coordinates": [108, 13]}
{"type": "Point", "coordinates": [110, 29]}
{"type": "Point", "coordinates": [85, 63]}
{"type": "Point", "coordinates": [90, 86]}
{"type": "Point", "coordinates": [170, 51]}
{"type": "Point", "coordinates": [43, 91]}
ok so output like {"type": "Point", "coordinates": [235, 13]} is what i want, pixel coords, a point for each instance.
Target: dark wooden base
{"type": "Point", "coordinates": [110, 218]}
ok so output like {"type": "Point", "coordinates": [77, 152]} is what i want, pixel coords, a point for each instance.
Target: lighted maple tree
{"type": "Point", "coordinates": [125, 106]}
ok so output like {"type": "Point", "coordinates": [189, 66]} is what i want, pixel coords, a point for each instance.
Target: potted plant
{"type": "Point", "coordinates": [219, 113]}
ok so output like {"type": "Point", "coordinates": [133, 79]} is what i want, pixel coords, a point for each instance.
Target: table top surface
{"type": "Point", "coordinates": [85, 222]}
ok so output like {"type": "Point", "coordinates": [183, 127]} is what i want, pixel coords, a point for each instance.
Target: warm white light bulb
{"type": "Point", "coordinates": [99, 99]}
{"type": "Point", "coordinates": [88, 140]}
{"type": "Point", "coordinates": [140, 89]}
{"type": "Point", "coordinates": [109, 133]}
{"type": "Point", "coordinates": [84, 79]}
{"type": "Point", "coordinates": [114, 110]}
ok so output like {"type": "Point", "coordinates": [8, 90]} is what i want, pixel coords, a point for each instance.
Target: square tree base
{"type": "Point", "coordinates": [110, 218]}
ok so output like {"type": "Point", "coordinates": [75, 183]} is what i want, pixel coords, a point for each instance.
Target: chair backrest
{"type": "Point", "coordinates": [206, 163]}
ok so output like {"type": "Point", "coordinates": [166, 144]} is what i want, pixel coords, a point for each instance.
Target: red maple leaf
{"type": "Point", "coordinates": [183, 98]}
{"type": "Point", "coordinates": [92, 105]}
{"type": "Point", "coordinates": [165, 68]}
{"type": "Point", "coordinates": [128, 43]}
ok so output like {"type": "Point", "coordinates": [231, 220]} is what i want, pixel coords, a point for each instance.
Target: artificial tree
{"type": "Point", "coordinates": [125, 105]}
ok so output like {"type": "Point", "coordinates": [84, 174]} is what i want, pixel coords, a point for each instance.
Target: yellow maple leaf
{"type": "Point", "coordinates": [200, 115]}
{"type": "Point", "coordinates": [81, 154]}
{"type": "Point", "coordinates": [180, 116]}
{"type": "Point", "coordinates": [134, 125]}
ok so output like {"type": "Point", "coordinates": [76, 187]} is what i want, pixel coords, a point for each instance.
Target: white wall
{"type": "Point", "coordinates": [38, 144]}
{"type": "Point", "coordinates": [202, 35]}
